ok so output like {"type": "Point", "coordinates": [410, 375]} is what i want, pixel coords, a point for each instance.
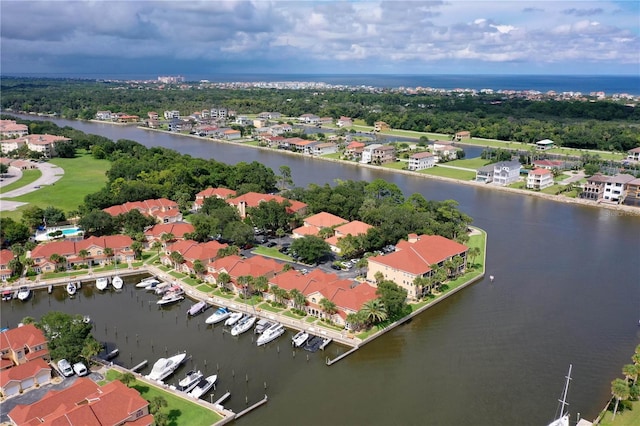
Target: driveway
{"type": "Point", "coordinates": [32, 396]}
{"type": "Point", "coordinates": [50, 174]}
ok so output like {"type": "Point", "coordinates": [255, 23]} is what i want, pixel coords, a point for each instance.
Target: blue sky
{"type": "Point", "coordinates": [319, 37]}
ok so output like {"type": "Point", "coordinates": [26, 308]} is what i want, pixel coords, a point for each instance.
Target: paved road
{"type": "Point", "coordinates": [50, 174]}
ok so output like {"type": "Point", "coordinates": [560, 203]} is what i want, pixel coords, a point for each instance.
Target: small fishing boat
{"type": "Point", "coordinates": [243, 325]}
{"type": "Point", "coordinates": [233, 318]}
{"type": "Point", "coordinates": [146, 282]}
{"type": "Point", "coordinates": [217, 316]}
{"type": "Point", "coordinates": [300, 339]}
{"type": "Point", "coordinates": [102, 283]}
{"type": "Point", "coordinates": [117, 282]}
{"type": "Point", "coordinates": [24, 293]}
{"type": "Point", "coordinates": [113, 354]}
{"type": "Point", "coordinates": [7, 296]}
{"type": "Point", "coordinates": [197, 308]}
{"type": "Point", "coordinates": [72, 288]}
{"type": "Point", "coordinates": [170, 298]}
{"type": "Point", "coordinates": [203, 386]}
{"type": "Point", "coordinates": [190, 381]}
{"type": "Point", "coordinates": [270, 334]}
{"type": "Point", "coordinates": [165, 366]}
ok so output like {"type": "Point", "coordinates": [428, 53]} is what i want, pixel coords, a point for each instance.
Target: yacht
{"type": "Point", "coordinates": [563, 415]}
{"type": "Point", "coordinates": [170, 298]}
{"type": "Point", "coordinates": [190, 381]}
{"type": "Point", "coordinates": [217, 316]}
{"type": "Point", "coordinates": [160, 288]}
{"type": "Point", "coordinates": [197, 308]}
{"type": "Point", "coordinates": [102, 283]}
{"type": "Point", "coordinates": [165, 366]}
{"type": "Point", "coordinates": [233, 318]}
{"type": "Point", "coordinates": [117, 282]}
{"type": "Point", "coordinates": [203, 386]}
{"type": "Point", "coordinates": [300, 339]}
{"type": "Point", "coordinates": [243, 325]}
{"type": "Point", "coordinates": [146, 282]}
{"type": "Point", "coordinates": [262, 325]}
{"type": "Point", "coordinates": [270, 334]}
{"type": "Point", "coordinates": [24, 293]}
{"type": "Point", "coordinates": [72, 288]}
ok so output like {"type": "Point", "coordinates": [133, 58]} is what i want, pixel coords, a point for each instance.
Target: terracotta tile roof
{"type": "Point", "coordinates": [192, 250]}
{"type": "Point", "coordinates": [17, 338]}
{"type": "Point", "coordinates": [634, 149]}
{"type": "Point", "coordinates": [419, 155]}
{"type": "Point", "coordinates": [253, 199]}
{"type": "Point", "coordinates": [324, 220]}
{"type": "Point", "coordinates": [254, 266]}
{"type": "Point", "coordinates": [42, 139]}
{"type": "Point", "coordinates": [540, 172]}
{"type": "Point", "coordinates": [353, 298]}
{"type": "Point", "coordinates": [177, 229]}
{"type": "Point", "coordinates": [23, 371]}
{"type": "Point", "coordinates": [548, 163]}
{"type": "Point", "coordinates": [356, 145]}
{"type": "Point", "coordinates": [354, 228]}
{"type": "Point", "coordinates": [306, 230]}
{"type": "Point", "coordinates": [5, 257]}
{"type": "Point", "coordinates": [332, 241]}
{"type": "Point", "coordinates": [146, 207]}
{"type": "Point", "coordinates": [216, 192]}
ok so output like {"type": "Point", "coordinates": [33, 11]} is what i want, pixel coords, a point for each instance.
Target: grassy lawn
{"type": "Point", "coordinates": [396, 165]}
{"type": "Point", "coordinates": [472, 163]}
{"type": "Point", "coordinates": [518, 185]}
{"type": "Point", "coordinates": [625, 418]}
{"type": "Point", "coordinates": [181, 412]}
{"type": "Point", "coordinates": [177, 274]}
{"type": "Point", "coordinates": [205, 288]}
{"type": "Point", "coordinates": [271, 252]}
{"type": "Point", "coordinates": [450, 173]}
{"type": "Point", "coordinates": [335, 155]}
{"type": "Point", "coordinates": [219, 293]}
{"type": "Point", "coordinates": [268, 307]}
{"type": "Point", "coordinates": [292, 315]}
{"type": "Point", "coordinates": [191, 281]}
{"type": "Point", "coordinates": [311, 319]}
{"type": "Point", "coordinates": [82, 175]}
{"type": "Point", "coordinates": [28, 176]}
{"type": "Point", "coordinates": [552, 190]}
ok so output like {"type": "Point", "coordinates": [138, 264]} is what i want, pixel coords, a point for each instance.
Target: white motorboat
{"type": "Point", "coordinates": [170, 298]}
{"type": "Point", "coordinates": [270, 334]}
{"type": "Point", "coordinates": [203, 386]}
{"type": "Point", "coordinates": [117, 282]}
{"type": "Point", "coordinates": [243, 325]}
{"type": "Point", "coordinates": [262, 325]}
{"type": "Point", "coordinates": [165, 366]}
{"type": "Point", "coordinates": [146, 282]}
{"type": "Point", "coordinates": [102, 283]}
{"type": "Point", "coordinates": [233, 318]}
{"type": "Point", "coordinates": [217, 316]}
{"type": "Point", "coordinates": [160, 288]}
{"type": "Point", "coordinates": [197, 308]}
{"type": "Point", "coordinates": [190, 381]}
{"type": "Point", "coordinates": [300, 339]}
{"type": "Point", "coordinates": [174, 289]}
{"type": "Point", "coordinates": [563, 415]}
{"type": "Point", "coordinates": [72, 288]}
{"type": "Point", "coordinates": [24, 293]}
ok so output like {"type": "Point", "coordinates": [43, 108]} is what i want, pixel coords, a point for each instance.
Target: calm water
{"type": "Point", "coordinates": [567, 290]}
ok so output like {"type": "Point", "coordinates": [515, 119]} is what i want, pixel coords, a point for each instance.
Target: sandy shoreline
{"type": "Point", "coordinates": [621, 210]}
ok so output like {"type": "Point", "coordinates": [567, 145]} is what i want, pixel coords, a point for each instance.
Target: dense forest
{"type": "Point", "coordinates": [604, 125]}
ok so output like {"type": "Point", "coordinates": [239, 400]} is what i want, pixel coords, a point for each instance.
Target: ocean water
{"type": "Point", "coordinates": [609, 84]}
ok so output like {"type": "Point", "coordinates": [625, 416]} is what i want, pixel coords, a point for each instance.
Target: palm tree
{"type": "Point", "coordinates": [373, 311]}
{"type": "Point", "coordinates": [355, 321]}
{"type": "Point", "coordinates": [90, 349]}
{"type": "Point", "coordinates": [177, 259]}
{"type": "Point", "coordinates": [198, 267]}
{"type": "Point", "coordinates": [630, 372]}
{"type": "Point", "coordinates": [619, 390]}
{"type": "Point", "coordinates": [379, 277]}
{"type": "Point", "coordinates": [362, 264]}
{"type": "Point", "coordinates": [84, 253]}
{"type": "Point", "coordinates": [223, 279]}
{"type": "Point", "coordinates": [58, 260]}
{"type": "Point", "coordinates": [473, 253]}
{"type": "Point", "coordinates": [261, 283]}
{"type": "Point", "coordinates": [157, 246]}
{"type": "Point", "coordinates": [18, 250]}
{"type": "Point", "coordinates": [108, 251]}
{"type": "Point", "coordinates": [298, 299]}
{"type": "Point", "coordinates": [156, 403]}
{"type": "Point", "coordinates": [246, 281]}
{"type": "Point", "coordinates": [16, 267]}
{"type": "Point", "coordinates": [137, 247]}
{"type": "Point", "coordinates": [167, 237]}
{"type": "Point", "coordinates": [328, 306]}
{"type": "Point", "coordinates": [127, 378]}
{"type": "Point", "coordinates": [279, 294]}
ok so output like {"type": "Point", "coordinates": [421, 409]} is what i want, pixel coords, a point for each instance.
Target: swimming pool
{"type": "Point", "coordinates": [71, 231]}
{"type": "Point", "coordinates": [68, 231]}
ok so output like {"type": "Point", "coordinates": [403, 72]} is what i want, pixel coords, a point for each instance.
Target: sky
{"type": "Point", "coordinates": [98, 38]}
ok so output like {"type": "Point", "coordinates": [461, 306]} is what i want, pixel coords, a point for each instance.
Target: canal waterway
{"type": "Point", "coordinates": [567, 291]}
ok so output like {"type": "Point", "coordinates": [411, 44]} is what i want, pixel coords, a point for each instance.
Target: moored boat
{"type": "Point", "coordinates": [270, 334]}
{"type": "Point", "coordinates": [169, 298]}
{"type": "Point", "coordinates": [190, 380]}
{"type": "Point", "coordinates": [197, 308]}
{"type": "Point", "coordinates": [24, 293]}
{"type": "Point", "coordinates": [262, 325]}
{"type": "Point", "coordinates": [563, 416]}
{"type": "Point", "coordinates": [7, 296]}
{"type": "Point", "coordinates": [160, 288]}
{"type": "Point", "coordinates": [165, 366]}
{"type": "Point", "coordinates": [300, 339]}
{"type": "Point", "coordinates": [243, 325]}
{"type": "Point", "coordinates": [313, 344]}
{"type": "Point", "coordinates": [117, 282]}
{"type": "Point", "coordinates": [102, 283]}
{"type": "Point", "coordinates": [203, 386]}
{"type": "Point", "coordinates": [72, 288]}
{"type": "Point", "coordinates": [233, 318]}
{"type": "Point", "coordinates": [219, 315]}
{"type": "Point", "coordinates": [146, 282]}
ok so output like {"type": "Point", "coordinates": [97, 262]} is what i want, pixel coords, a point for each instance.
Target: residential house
{"type": "Point", "coordinates": [20, 378]}
{"type": "Point", "coordinates": [126, 118]}
{"type": "Point", "coordinates": [615, 188]}
{"type": "Point", "coordinates": [44, 144]}
{"type": "Point", "coordinates": [259, 123]}
{"type": "Point", "coordinates": [232, 134]}
{"type": "Point", "coordinates": [280, 129]}
{"type": "Point", "coordinates": [344, 122]}
{"type": "Point", "coordinates": [383, 154]}
{"type": "Point", "coordinates": [270, 115]}
{"type": "Point", "coordinates": [324, 148]}
{"type": "Point", "coordinates": [421, 161]}
{"type": "Point", "coordinates": [191, 251]}
{"type": "Point", "coordinates": [354, 150]}
{"type": "Point", "coordinates": [367, 153]}
{"type": "Point", "coordinates": [104, 115]}
{"type": "Point", "coordinates": [6, 256]}
{"type": "Point", "coordinates": [271, 141]}
{"type": "Point", "coordinates": [168, 115]}
{"type": "Point", "coordinates": [309, 118]}
{"type": "Point", "coordinates": [539, 179]}
{"type": "Point", "coordinates": [545, 144]}
{"type": "Point", "coordinates": [313, 224]}
{"type": "Point", "coordinates": [152, 115]}
{"type": "Point", "coordinates": [380, 126]}
{"type": "Point", "coordinates": [594, 188]}
{"type": "Point", "coordinates": [353, 228]}
{"type": "Point", "coordinates": [236, 267]}
{"type": "Point", "coordinates": [444, 151]}
{"type": "Point", "coordinates": [219, 113]}
{"type": "Point", "coordinates": [464, 134]}
{"type": "Point", "coordinates": [162, 209]}
{"type": "Point", "coordinates": [243, 120]}
{"type": "Point", "coordinates": [414, 258]}
{"type": "Point", "coordinates": [86, 403]}
{"type": "Point", "coordinates": [253, 199]}
{"type": "Point", "coordinates": [633, 193]}
{"type": "Point", "coordinates": [324, 120]}
{"type": "Point", "coordinates": [552, 164]}
{"type": "Point", "coordinates": [222, 193]}
{"type": "Point", "coordinates": [10, 129]}
{"type": "Point", "coordinates": [303, 146]}
{"type": "Point", "coordinates": [177, 229]}
{"type": "Point", "coordinates": [485, 174]}
{"type": "Point", "coordinates": [206, 131]}
{"type": "Point", "coordinates": [21, 345]}
{"type": "Point", "coordinates": [506, 172]}
{"type": "Point", "coordinates": [633, 154]}
{"type": "Point", "coordinates": [8, 145]}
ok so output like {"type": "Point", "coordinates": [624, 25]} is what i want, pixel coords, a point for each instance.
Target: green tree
{"type": "Point", "coordinates": [66, 334]}
{"type": "Point", "coordinates": [298, 299]}
{"type": "Point", "coordinates": [630, 372]}
{"type": "Point", "coordinates": [137, 247]}
{"type": "Point", "coordinates": [328, 307]}
{"type": "Point", "coordinates": [156, 403]}
{"type": "Point", "coordinates": [279, 294]}
{"type": "Point", "coordinates": [12, 232]}
{"type": "Point", "coordinates": [270, 215]}
{"type": "Point", "coordinates": [108, 252]}
{"type": "Point", "coordinates": [474, 252]}
{"type": "Point", "coordinates": [177, 259]}
{"type": "Point", "coordinates": [374, 311]}
{"type": "Point", "coordinates": [98, 222]}
{"type": "Point", "coordinates": [157, 246]}
{"type": "Point", "coordinates": [285, 177]}
{"type": "Point", "coordinates": [261, 283]}
{"type": "Point", "coordinates": [127, 378]}
{"type": "Point", "coordinates": [223, 279]}
{"type": "Point", "coordinates": [310, 248]}
{"type": "Point", "coordinates": [394, 299]}
{"type": "Point", "coordinates": [620, 391]}
{"type": "Point", "coordinates": [90, 349]}
{"type": "Point", "coordinates": [246, 282]}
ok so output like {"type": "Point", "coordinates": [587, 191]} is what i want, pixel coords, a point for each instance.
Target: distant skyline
{"type": "Point", "coordinates": [319, 37]}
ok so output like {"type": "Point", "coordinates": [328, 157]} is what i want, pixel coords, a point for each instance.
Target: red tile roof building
{"type": "Point", "coordinates": [9, 128]}
{"type": "Point", "coordinates": [23, 377]}
{"type": "Point", "coordinates": [313, 224]}
{"type": "Point", "coordinates": [192, 251]}
{"type": "Point", "coordinates": [237, 266]}
{"type": "Point", "coordinates": [414, 258]}
{"type": "Point", "coordinates": [222, 193]}
{"type": "Point", "coordinates": [5, 257]}
{"type": "Point", "coordinates": [178, 230]}
{"type": "Point", "coordinates": [87, 404]}
{"type": "Point", "coordinates": [353, 228]}
{"type": "Point", "coordinates": [162, 209]}
{"type": "Point", "coordinates": [24, 361]}
{"type": "Point", "coordinates": [253, 199]}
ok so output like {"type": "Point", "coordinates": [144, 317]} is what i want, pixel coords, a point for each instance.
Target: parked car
{"type": "Point", "coordinates": [80, 369]}
{"type": "Point", "coordinates": [336, 267]}
{"type": "Point", "coordinates": [65, 368]}
{"type": "Point", "coordinates": [271, 244]}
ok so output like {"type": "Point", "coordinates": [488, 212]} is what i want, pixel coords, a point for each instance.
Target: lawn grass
{"type": "Point", "coordinates": [224, 295]}
{"type": "Point", "coordinates": [396, 165]}
{"type": "Point", "coordinates": [205, 288]}
{"type": "Point", "coordinates": [82, 175]}
{"type": "Point", "coordinates": [335, 155]}
{"type": "Point", "coordinates": [310, 319]}
{"type": "Point", "coordinates": [177, 274]}
{"type": "Point", "coordinates": [472, 163]}
{"type": "Point", "coordinates": [191, 281]}
{"type": "Point", "coordinates": [552, 190]}
{"type": "Point", "coordinates": [268, 307]}
{"type": "Point", "coordinates": [28, 176]}
{"type": "Point", "coordinates": [180, 411]}
{"type": "Point", "coordinates": [450, 173]}
{"type": "Point", "coordinates": [624, 418]}
{"type": "Point", "coordinates": [271, 252]}
{"type": "Point", "coordinates": [292, 315]}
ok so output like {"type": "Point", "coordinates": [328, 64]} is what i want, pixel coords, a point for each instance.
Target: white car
{"type": "Point", "coordinates": [80, 369]}
{"type": "Point", "coordinates": [65, 368]}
